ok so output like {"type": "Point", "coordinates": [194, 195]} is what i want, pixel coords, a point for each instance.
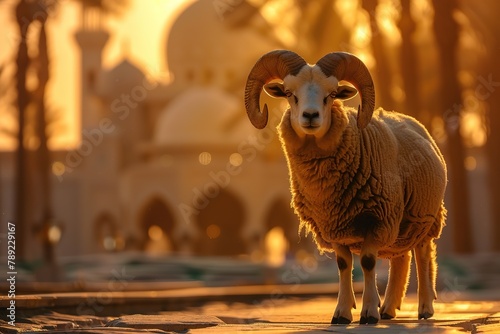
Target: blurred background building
{"type": "Point", "coordinates": [174, 166]}
{"type": "Point", "coordinates": [171, 167]}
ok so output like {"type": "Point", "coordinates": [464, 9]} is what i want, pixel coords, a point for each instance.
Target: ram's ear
{"type": "Point", "coordinates": [346, 92]}
{"type": "Point", "coordinates": [275, 89]}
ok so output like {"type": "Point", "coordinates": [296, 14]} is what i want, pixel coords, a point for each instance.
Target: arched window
{"type": "Point", "coordinates": [281, 222]}
{"type": "Point", "coordinates": [220, 224]}
{"type": "Point", "coordinates": [157, 225]}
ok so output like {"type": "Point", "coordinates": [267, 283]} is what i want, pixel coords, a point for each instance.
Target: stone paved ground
{"type": "Point", "coordinates": [270, 312]}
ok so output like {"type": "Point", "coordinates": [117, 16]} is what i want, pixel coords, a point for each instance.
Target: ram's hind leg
{"type": "Point", "coordinates": [425, 256]}
{"type": "Point", "coordinates": [396, 288]}
{"type": "Point", "coordinates": [345, 300]}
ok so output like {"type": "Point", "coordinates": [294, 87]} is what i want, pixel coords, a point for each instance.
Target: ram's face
{"type": "Point", "coordinates": [310, 94]}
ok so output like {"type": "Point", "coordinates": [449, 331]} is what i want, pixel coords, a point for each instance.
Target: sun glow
{"type": "Point", "coordinates": [276, 246]}
{"type": "Point", "coordinates": [284, 24]}
{"type": "Point", "coordinates": [138, 34]}
{"type": "Point", "coordinates": [387, 17]}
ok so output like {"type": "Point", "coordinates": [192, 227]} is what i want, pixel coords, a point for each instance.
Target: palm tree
{"type": "Point", "coordinates": [24, 11]}
{"type": "Point", "coordinates": [318, 30]}
{"type": "Point", "coordinates": [492, 144]}
{"type": "Point", "coordinates": [382, 69]}
{"type": "Point", "coordinates": [42, 153]}
{"type": "Point", "coordinates": [446, 31]}
{"type": "Point", "coordinates": [484, 18]}
{"type": "Point", "coordinates": [409, 61]}
{"type": "Point", "coordinates": [28, 12]}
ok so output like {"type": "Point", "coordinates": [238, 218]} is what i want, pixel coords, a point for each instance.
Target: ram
{"type": "Point", "coordinates": [369, 182]}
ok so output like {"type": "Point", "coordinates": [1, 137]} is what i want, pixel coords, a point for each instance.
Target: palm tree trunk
{"type": "Point", "coordinates": [446, 32]}
{"type": "Point", "coordinates": [22, 61]}
{"type": "Point", "coordinates": [382, 69]}
{"type": "Point", "coordinates": [494, 158]}
{"type": "Point", "coordinates": [43, 153]}
{"type": "Point", "coordinates": [491, 71]}
{"type": "Point", "coordinates": [318, 30]}
{"type": "Point", "coordinates": [409, 62]}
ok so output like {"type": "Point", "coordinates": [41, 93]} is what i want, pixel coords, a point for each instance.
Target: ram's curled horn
{"type": "Point", "coordinates": [345, 66]}
{"type": "Point", "coordinates": [273, 65]}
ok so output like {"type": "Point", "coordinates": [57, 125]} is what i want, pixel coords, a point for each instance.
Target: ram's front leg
{"type": "Point", "coordinates": [346, 301]}
{"type": "Point", "coordinates": [371, 298]}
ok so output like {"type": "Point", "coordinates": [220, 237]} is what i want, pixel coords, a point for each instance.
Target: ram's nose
{"type": "Point", "coordinates": [310, 115]}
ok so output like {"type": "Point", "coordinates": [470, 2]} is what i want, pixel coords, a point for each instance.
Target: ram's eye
{"type": "Point", "coordinates": [289, 94]}
{"type": "Point", "coordinates": [332, 95]}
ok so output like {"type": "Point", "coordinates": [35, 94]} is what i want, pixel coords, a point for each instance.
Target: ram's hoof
{"type": "Point", "coordinates": [368, 320]}
{"type": "Point", "coordinates": [425, 315]}
{"type": "Point", "coordinates": [386, 316]}
{"type": "Point", "coordinates": [340, 321]}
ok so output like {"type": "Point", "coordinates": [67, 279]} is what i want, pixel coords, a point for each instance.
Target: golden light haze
{"type": "Point", "coordinates": [138, 34]}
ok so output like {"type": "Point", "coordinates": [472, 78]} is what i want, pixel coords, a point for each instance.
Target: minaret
{"type": "Point", "coordinates": [94, 158]}
{"type": "Point", "coordinates": [92, 39]}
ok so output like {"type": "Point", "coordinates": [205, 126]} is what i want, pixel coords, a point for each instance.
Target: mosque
{"type": "Point", "coordinates": [175, 167]}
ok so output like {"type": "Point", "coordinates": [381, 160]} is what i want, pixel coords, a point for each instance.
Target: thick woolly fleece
{"type": "Point", "coordinates": [387, 180]}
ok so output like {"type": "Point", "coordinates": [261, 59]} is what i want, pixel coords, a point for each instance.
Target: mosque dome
{"type": "Point", "coordinates": [210, 57]}
{"type": "Point", "coordinates": [203, 48]}
{"type": "Point", "coordinates": [203, 116]}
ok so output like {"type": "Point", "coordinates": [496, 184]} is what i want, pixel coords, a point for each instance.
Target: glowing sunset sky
{"type": "Point", "coordinates": [139, 34]}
